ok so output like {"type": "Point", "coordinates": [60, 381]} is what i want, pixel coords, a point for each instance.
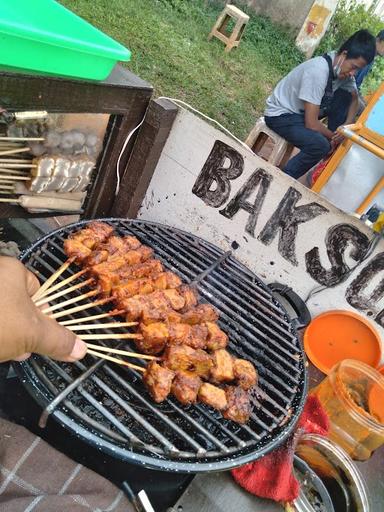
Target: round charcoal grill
{"type": "Point", "coordinates": [107, 405]}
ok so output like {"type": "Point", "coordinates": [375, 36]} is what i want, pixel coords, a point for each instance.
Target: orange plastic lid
{"type": "Point", "coordinates": [337, 335]}
{"type": "Point", "coordinates": [376, 402]}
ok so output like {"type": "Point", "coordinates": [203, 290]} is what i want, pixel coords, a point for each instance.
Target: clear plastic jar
{"type": "Point", "coordinates": [353, 396]}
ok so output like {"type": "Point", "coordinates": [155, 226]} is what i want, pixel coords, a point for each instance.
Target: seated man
{"type": "Point", "coordinates": [342, 98]}
{"type": "Point", "coordinates": [305, 95]}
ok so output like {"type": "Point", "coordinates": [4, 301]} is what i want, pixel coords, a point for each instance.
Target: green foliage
{"type": "Point", "coordinates": [348, 18]}
{"type": "Point", "coordinates": [168, 40]}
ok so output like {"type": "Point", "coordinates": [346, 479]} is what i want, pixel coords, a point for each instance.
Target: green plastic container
{"type": "Point", "coordinates": [45, 37]}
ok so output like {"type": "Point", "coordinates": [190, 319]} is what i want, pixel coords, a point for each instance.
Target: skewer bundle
{"type": "Point", "coordinates": [52, 176]}
{"type": "Point", "coordinates": [194, 364]}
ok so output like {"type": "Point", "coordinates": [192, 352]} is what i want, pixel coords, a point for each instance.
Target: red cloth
{"type": "Point", "coordinates": [272, 476]}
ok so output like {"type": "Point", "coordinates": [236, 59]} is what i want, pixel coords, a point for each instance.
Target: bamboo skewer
{"type": "Point", "coordinates": [94, 317]}
{"type": "Point", "coordinates": [14, 178]}
{"type": "Point", "coordinates": [72, 300]}
{"type": "Point", "coordinates": [20, 172]}
{"type": "Point", "coordinates": [13, 151]}
{"type": "Point", "coordinates": [48, 298]}
{"type": "Point", "coordinates": [15, 161]}
{"type": "Point", "coordinates": [112, 325]}
{"type": "Point", "coordinates": [49, 289]}
{"type": "Point", "coordinates": [81, 308]}
{"type": "Point", "coordinates": [116, 360]}
{"type": "Point", "coordinates": [116, 336]}
{"type": "Point", "coordinates": [101, 348]}
{"type": "Point", "coordinates": [21, 166]}
{"type": "Point", "coordinates": [51, 280]}
{"type": "Point", "coordinates": [22, 138]}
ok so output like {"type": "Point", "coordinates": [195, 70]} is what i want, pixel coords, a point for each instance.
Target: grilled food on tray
{"type": "Point", "coordinates": [194, 364]}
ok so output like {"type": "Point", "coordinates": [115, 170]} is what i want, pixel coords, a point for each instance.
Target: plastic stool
{"type": "Point", "coordinates": [219, 29]}
{"type": "Point", "coordinates": [259, 135]}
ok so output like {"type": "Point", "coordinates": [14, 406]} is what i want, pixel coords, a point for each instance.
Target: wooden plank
{"type": "Point", "coordinates": [101, 198]}
{"type": "Point", "coordinates": [36, 92]}
{"type": "Point", "coordinates": [144, 157]}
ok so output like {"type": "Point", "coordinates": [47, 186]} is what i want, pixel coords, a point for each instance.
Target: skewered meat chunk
{"type": "Point", "coordinates": [213, 396]}
{"type": "Point", "coordinates": [185, 387]}
{"type": "Point", "coordinates": [222, 370]}
{"type": "Point", "coordinates": [216, 337]}
{"type": "Point", "coordinates": [109, 279]}
{"type": "Point", "coordinates": [160, 333]}
{"type": "Point", "coordinates": [158, 381]}
{"type": "Point", "coordinates": [199, 314]}
{"type": "Point", "coordinates": [239, 405]}
{"type": "Point", "coordinates": [154, 338]}
{"type": "Point", "coordinates": [113, 245]}
{"type": "Point", "coordinates": [148, 268]}
{"type": "Point", "coordinates": [190, 297]}
{"type": "Point", "coordinates": [245, 373]}
{"type": "Point", "coordinates": [183, 357]}
{"type": "Point", "coordinates": [146, 285]}
{"type": "Point", "coordinates": [192, 335]}
{"type": "Point", "coordinates": [80, 244]}
{"type": "Point", "coordinates": [106, 272]}
{"type": "Point", "coordinates": [196, 315]}
{"type": "Point", "coordinates": [152, 307]}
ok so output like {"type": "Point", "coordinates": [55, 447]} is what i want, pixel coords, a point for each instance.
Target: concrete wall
{"type": "Point", "coordinates": [286, 12]}
{"type": "Point", "coordinates": [315, 25]}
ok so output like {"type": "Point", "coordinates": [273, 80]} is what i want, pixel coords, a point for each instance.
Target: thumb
{"type": "Point", "coordinates": [54, 340]}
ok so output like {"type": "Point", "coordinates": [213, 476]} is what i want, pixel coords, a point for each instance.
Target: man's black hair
{"type": "Point", "coordinates": [380, 35]}
{"type": "Point", "coordinates": [361, 44]}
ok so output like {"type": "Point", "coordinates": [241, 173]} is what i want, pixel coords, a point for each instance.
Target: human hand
{"type": "Point", "coordinates": [23, 327]}
{"type": "Point", "coordinates": [337, 139]}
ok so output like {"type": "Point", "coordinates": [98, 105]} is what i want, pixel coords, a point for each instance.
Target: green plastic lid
{"type": "Point", "coordinates": [43, 35]}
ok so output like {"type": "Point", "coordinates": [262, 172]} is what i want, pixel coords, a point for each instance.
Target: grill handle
{"type": "Point", "coordinates": [295, 301]}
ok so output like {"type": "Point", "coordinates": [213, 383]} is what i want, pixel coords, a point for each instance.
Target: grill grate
{"type": "Point", "coordinates": [107, 405]}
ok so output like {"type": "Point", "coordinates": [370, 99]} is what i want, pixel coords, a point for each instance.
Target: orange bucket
{"type": "Point", "coordinates": [337, 335]}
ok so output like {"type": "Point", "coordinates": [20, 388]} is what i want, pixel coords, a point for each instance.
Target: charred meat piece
{"type": "Point", "coordinates": [154, 338]}
{"type": "Point", "coordinates": [185, 387]}
{"type": "Point", "coordinates": [175, 298]}
{"type": "Point", "coordinates": [158, 381]}
{"type": "Point", "coordinates": [199, 314]}
{"type": "Point", "coordinates": [147, 269]}
{"type": "Point", "coordinates": [179, 357]}
{"type": "Point", "coordinates": [80, 244]}
{"type": "Point", "coordinates": [216, 337]}
{"type": "Point", "coordinates": [192, 335]}
{"type": "Point", "coordinates": [190, 297]}
{"type": "Point", "coordinates": [146, 285]}
{"type": "Point", "coordinates": [245, 373]}
{"type": "Point", "coordinates": [111, 274]}
{"type": "Point", "coordinates": [198, 337]}
{"type": "Point", "coordinates": [152, 307]}
{"type": "Point", "coordinates": [183, 357]}
{"type": "Point", "coordinates": [113, 245]}
{"type": "Point", "coordinates": [239, 405]}
{"type": "Point", "coordinates": [213, 396]}
{"type": "Point", "coordinates": [222, 370]}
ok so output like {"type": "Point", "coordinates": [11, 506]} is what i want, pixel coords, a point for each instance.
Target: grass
{"type": "Point", "coordinates": [168, 40]}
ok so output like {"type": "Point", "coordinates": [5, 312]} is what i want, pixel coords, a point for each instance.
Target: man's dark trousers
{"type": "Point", "coordinates": [313, 145]}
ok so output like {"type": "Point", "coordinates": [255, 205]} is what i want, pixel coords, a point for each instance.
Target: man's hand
{"type": "Point", "coordinates": [337, 139]}
{"type": "Point", "coordinates": [23, 327]}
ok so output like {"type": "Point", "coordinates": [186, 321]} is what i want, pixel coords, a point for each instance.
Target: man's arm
{"type": "Point", "coordinates": [352, 111]}
{"type": "Point", "coordinates": [311, 118]}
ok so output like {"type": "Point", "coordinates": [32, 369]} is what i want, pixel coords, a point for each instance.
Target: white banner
{"type": "Point", "coordinates": [211, 186]}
